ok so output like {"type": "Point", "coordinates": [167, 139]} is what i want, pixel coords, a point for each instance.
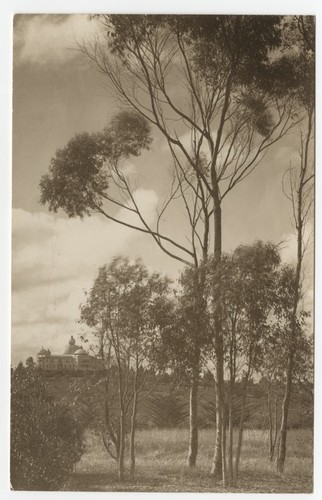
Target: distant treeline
{"type": "Point", "coordinates": [168, 407]}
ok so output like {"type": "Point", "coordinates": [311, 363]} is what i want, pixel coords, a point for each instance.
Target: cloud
{"type": "Point", "coordinates": [289, 256]}
{"type": "Point", "coordinates": [289, 247]}
{"type": "Point", "coordinates": [54, 260]}
{"type": "Point", "coordinates": [49, 38]}
{"type": "Point", "coordinates": [48, 249]}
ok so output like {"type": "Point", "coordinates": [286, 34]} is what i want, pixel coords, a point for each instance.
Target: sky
{"type": "Point", "coordinates": [57, 94]}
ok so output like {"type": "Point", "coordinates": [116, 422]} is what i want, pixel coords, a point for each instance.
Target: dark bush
{"type": "Point", "coordinates": [46, 441]}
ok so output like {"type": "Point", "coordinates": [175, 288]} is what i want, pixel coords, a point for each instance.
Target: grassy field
{"type": "Point", "coordinates": [161, 465]}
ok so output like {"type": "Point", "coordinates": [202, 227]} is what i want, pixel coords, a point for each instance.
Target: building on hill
{"type": "Point", "coordinates": [73, 358]}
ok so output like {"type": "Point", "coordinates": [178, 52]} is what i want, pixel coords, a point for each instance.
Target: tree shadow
{"type": "Point", "coordinates": [108, 481]}
{"type": "Point", "coordinates": [255, 482]}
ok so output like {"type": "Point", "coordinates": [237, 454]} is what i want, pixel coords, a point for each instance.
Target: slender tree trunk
{"type": "Point", "coordinates": [217, 229]}
{"type": "Point", "coordinates": [132, 436]}
{"type": "Point", "coordinates": [276, 427]}
{"type": "Point", "coordinates": [217, 469]}
{"type": "Point", "coordinates": [278, 439]}
{"type": "Point", "coordinates": [121, 438]}
{"type": "Point", "coordinates": [232, 368]}
{"type": "Point", "coordinates": [223, 451]}
{"type": "Point", "coordinates": [273, 435]}
{"type": "Point", "coordinates": [271, 453]}
{"type": "Point", "coordinates": [133, 416]}
{"type": "Point", "coordinates": [242, 417]}
{"type": "Point", "coordinates": [273, 425]}
{"type": "Point", "coordinates": [121, 448]}
{"type": "Point", "coordinates": [300, 213]}
{"type": "Point", "coordinates": [117, 446]}
{"type": "Point", "coordinates": [231, 442]}
{"type": "Point", "coordinates": [280, 461]}
{"type": "Point", "coordinates": [199, 285]}
{"type": "Point", "coordinates": [292, 341]}
{"type": "Point", "coordinates": [239, 440]}
{"type": "Point", "coordinates": [193, 417]}
{"type": "Point", "coordinates": [113, 436]}
{"type": "Point", "coordinates": [239, 447]}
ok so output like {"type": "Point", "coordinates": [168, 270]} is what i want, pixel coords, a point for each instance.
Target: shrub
{"type": "Point", "coordinates": [166, 411]}
{"type": "Point", "coordinates": [46, 441]}
{"type": "Point", "coordinates": [209, 410]}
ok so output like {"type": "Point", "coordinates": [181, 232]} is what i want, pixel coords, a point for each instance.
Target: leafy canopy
{"type": "Point", "coordinates": [127, 304]}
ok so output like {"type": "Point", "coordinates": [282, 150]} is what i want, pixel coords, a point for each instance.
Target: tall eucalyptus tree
{"type": "Point", "coordinates": [209, 78]}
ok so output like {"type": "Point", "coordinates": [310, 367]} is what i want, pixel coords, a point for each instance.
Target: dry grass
{"type": "Point", "coordinates": [161, 465]}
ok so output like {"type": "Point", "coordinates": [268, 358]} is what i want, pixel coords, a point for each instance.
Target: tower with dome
{"type": "Point", "coordinates": [73, 358]}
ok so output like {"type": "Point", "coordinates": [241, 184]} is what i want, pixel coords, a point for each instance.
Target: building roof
{"type": "Point", "coordinates": [80, 351]}
{"type": "Point", "coordinates": [71, 347]}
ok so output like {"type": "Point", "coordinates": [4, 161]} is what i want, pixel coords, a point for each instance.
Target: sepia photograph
{"type": "Point", "coordinates": [163, 245]}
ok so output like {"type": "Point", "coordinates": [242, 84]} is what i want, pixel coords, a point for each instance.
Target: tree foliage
{"type": "Point", "coordinates": [79, 174]}
{"type": "Point", "coordinates": [188, 332]}
{"type": "Point", "coordinates": [125, 303]}
{"type": "Point", "coordinates": [124, 310]}
{"type": "Point", "coordinates": [244, 286]}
